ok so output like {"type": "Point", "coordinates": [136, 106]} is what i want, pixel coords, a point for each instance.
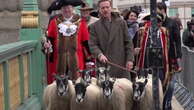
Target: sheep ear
{"type": "Point", "coordinates": [86, 84]}
{"type": "Point", "coordinates": [133, 85]}
{"type": "Point", "coordinates": [145, 82]}
{"type": "Point", "coordinates": [113, 80]}
{"type": "Point", "coordinates": [108, 68]}
{"type": "Point", "coordinates": [107, 77]}
{"type": "Point", "coordinates": [101, 69]}
{"type": "Point", "coordinates": [73, 82]}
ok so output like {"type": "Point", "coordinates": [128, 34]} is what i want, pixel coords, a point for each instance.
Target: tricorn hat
{"type": "Point", "coordinates": [136, 9]}
{"type": "Point", "coordinates": [57, 4]}
{"type": "Point", "coordinates": [94, 13]}
{"type": "Point", "coordinates": [147, 17]}
{"type": "Point", "coordinates": [85, 6]}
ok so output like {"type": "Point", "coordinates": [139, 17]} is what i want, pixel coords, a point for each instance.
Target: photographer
{"type": "Point", "coordinates": [188, 35]}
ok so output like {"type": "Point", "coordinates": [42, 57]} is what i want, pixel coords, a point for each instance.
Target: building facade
{"type": "Point", "coordinates": [185, 8]}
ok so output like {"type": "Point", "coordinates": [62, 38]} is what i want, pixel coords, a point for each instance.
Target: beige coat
{"type": "Point", "coordinates": [117, 47]}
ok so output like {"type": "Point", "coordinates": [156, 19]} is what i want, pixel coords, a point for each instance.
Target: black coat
{"type": "Point", "coordinates": [174, 37]}
{"type": "Point", "coordinates": [188, 39]}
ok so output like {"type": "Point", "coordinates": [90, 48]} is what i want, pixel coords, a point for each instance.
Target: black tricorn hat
{"type": "Point", "coordinates": [57, 4]}
{"type": "Point", "coordinates": [191, 22]}
{"type": "Point", "coordinates": [85, 6]}
{"type": "Point", "coordinates": [94, 13]}
{"type": "Point", "coordinates": [159, 17]}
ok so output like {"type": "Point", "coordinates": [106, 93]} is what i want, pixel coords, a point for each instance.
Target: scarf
{"type": "Point", "coordinates": [132, 28]}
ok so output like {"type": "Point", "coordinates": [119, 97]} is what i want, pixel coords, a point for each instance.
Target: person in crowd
{"type": "Point", "coordinates": [133, 27]}
{"type": "Point", "coordinates": [145, 42]}
{"type": "Point", "coordinates": [110, 42]}
{"type": "Point", "coordinates": [188, 35]}
{"type": "Point", "coordinates": [178, 21]}
{"type": "Point", "coordinates": [174, 54]}
{"type": "Point", "coordinates": [124, 12]}
{"type": "Point", "coordinates": [84, 55]}
{"type": "Point", "coordinates": [85, 11]}
{"type": "Point", "coordinates": [116, 12]}
{"type": "Point", "coordinates": [94, 13]}
{"type": "Point", "coordinates": [62, 33]}
{"type": "Point", "coordinates": [131, 19]}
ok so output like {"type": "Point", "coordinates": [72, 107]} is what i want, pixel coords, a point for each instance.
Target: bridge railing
{"type": "Point", "coordinates": [187, 75]}
{"type": "Point", "coordinates": [20, 76]}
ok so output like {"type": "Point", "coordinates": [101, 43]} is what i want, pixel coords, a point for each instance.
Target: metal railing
{"type": "Point", "coordinates": [187, 75]}
{"type": "Point", "coordinates": [20, 76]}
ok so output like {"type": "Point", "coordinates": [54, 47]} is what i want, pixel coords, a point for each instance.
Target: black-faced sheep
{"type": "Point", "coordinates": [116, 94]}
{"type": "Point", "coordinates": [142, 94]}
{"type": "Point", "coordinates": [139, 90]}
{"type": "Point", "coordinates": [57, 95]}
{"type": "Point", "coordinates": [122, 94]}
{"type": "Point", "coordinates": [85, 97]}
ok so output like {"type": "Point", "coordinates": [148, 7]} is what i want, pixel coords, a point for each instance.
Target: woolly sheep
{"type": "Point", "coordinates": [54, 100]}
{"type": "Point", "coordinates": [146, 102]}
{"type": "Point", "coordinates": [90, 98]}
{"type": "Point", "coordinates": [121, 98]}
{"type": "Point", "coordinates": [122, 94]}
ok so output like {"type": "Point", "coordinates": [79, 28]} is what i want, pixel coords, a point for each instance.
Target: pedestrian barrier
{"type": "Point", "coordinates": [20, 76]}
{"type": "Point", "coordinates": [184, 96]}
{"type": "Point", "coordinates": [187, 75]}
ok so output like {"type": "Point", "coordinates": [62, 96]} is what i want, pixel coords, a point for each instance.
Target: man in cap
{"type": "Point", "coordinates": [85, 11]}
{"type": "Point", "coordinates": [62, 32]}
{"type": "Point", "coordinates": [188, 35]}
{"type": "Point", "coordinates": [84, 54]}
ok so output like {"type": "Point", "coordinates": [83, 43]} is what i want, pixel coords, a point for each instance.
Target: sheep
{"type": "Point", "coordinates": [139, 90]}
{"type": "Point", "coordinates": [105, 96]}
{"type": "Point", "coordinates": [87, 75]}
{"type": "Point", "coordinates": [57, 95]}
{"type": "Point", "coordinates": [116, 94]}
{"type": "Point", "coordinates": [122, 94]}
{"type": "Point", "coordinates": [142, 94]}
{"type": "Point", "coordinates": [105, 87]}
{"type": "Point", "coordinates": [85, 97]}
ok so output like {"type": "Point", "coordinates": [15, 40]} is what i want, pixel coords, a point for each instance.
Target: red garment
{"type": "Point", "coordinates": [143, 45]}
{"type": "Point", "coordinates": [83, 35]}
{"type": "Point", "coordinates": [52, 33]}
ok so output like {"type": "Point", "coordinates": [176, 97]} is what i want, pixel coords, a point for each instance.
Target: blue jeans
{"type": "Point", "coordinates": [168, 95]}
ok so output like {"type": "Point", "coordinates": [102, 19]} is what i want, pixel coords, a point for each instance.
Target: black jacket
{"type": "Point", "coordinates": [174, 37]}
{"type": "Point", "coordinates": [188, 39]}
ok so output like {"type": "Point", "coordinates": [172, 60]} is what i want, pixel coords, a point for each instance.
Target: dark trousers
{"type": "Point", "coordinates": [168, 93]}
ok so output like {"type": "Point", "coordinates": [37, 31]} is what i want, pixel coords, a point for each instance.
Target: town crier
{"type": "Point", "coordinates": [62, 33]}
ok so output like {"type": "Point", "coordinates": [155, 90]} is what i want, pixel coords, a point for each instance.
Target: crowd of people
{"type": "Point", "coordinates": [123, 39]}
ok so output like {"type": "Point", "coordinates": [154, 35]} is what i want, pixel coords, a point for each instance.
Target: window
{"type": "Point", "coordinates": [173, 11]}
{"type": "Point", "coordinates": [192, 12]}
